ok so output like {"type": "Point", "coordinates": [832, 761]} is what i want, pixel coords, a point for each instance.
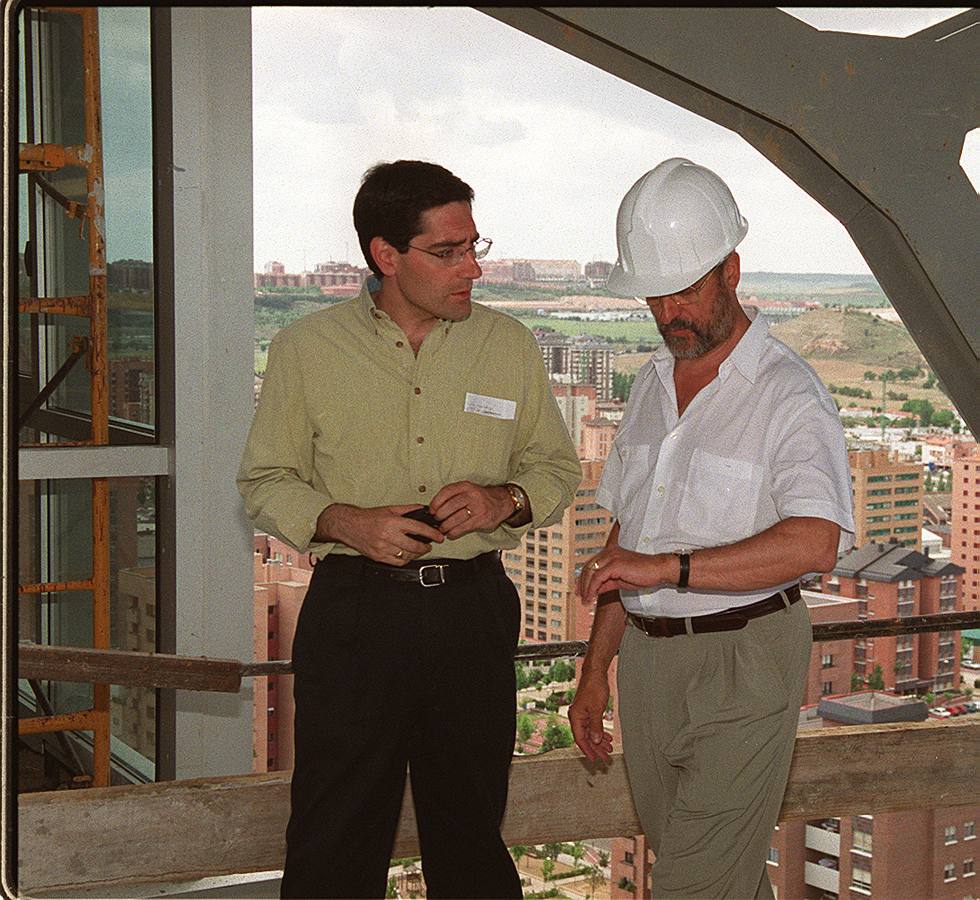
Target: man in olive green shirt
{"type": "Point", "coordinates": [408, 396]}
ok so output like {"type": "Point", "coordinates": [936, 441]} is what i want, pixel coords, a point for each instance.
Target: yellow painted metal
{"type": "Point", "coordinates": [85, 720]}
{"type": "Point", "coordinates": [80, 305]}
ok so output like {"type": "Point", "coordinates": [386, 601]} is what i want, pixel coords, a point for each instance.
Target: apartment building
{"type": "Point", "coordinates": [965, 531]}
{"type": "Point", "coordinates": [887, 498]}
{"type": "Point", "coordinates": [281, 577]}
{"type": "Point", "coordinates": [332, 278]}
{"type": "Point", "coordinates": [891, 581]}
{"type": "Point", "coordinates": [598, 435]}
{"type": "Point", "coordinates": [546, 567]}
{"type": "Point", "coordinates": [914, 853]}
{"type": "Point", "coordinates": [577, 405]}
{"type": "Point", "coordinates": [579, 363]}
{"type": "Point", "coordinates": [942, 450]}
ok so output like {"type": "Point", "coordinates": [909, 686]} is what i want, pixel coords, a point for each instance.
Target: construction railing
{"type": "Point", "coordinates": [184, 830]}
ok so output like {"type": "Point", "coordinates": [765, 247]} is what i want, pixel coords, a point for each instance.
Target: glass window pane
{"type": "Point", "coordinates": [127, 137]}
{"type": "Point", "coordinates": [56, 546]}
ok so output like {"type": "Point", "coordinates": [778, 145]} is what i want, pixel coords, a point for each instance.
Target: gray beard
{"type": "Point", "coordinates": [705, 339]}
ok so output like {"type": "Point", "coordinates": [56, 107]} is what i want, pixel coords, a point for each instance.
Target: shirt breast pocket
{"type": "Point", "coordinates": [483, 448]}
{"type": "Point", "coordinates": [637, 470]}
{"type": "Point", "coordinates": [720, 498]}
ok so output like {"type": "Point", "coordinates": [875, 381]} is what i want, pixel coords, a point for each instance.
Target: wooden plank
{"type": "Point", "coordinates": [88, 666]}
{"type": "Point", "coordinates": [183, 830]}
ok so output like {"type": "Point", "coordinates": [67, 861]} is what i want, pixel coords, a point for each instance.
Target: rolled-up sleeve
{"type": "Point", "coordinates": [544, 463]}
{"type": "Point", "coordinates": [810, 472]}
{"type": "Point", "coordinates": [276, 476]}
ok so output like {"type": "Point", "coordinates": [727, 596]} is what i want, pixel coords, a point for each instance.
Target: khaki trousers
{"type": "Point", "coordinates": [709, 724]}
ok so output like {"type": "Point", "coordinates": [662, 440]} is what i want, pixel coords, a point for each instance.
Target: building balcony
{"type": "Point", "coordinates": [822, 877]}
{"type": "Point", "coordinates": [826, 842]}
{"type": "Point", "coordinates": [183, 830]}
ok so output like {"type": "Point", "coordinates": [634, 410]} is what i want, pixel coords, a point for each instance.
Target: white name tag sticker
{"type": "Point", "coordinates": [494, 407]}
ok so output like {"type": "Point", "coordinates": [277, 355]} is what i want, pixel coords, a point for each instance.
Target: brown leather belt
{"type": "Point", "coordinates": [425, 572]}
{"type": "Point", "coordinates": [728, 620]}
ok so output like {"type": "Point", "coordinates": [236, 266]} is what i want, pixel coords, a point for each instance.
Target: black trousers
{"type": "Point", "coordinates": [388, 676]}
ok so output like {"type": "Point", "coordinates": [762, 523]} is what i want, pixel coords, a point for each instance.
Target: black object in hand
{"type": "Point", "coordinates": [422, 514]}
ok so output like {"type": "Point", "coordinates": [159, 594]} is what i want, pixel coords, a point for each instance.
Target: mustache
{"type": "Point", "coordinates": [678, 325]}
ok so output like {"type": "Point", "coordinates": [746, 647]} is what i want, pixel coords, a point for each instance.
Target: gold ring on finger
{"type": "Point", "coordinates": [469, 512]}
{"type": "Point", "coordinates": [595, 565]}
{"type": "Point", "coordinates": [399, 554]}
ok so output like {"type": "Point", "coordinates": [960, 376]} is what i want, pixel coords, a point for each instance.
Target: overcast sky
{"type": "Point", "coordinates": [549, 143]}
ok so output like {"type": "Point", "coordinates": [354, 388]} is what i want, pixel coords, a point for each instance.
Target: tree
{"type": "Point", "coordinates": [876, 680]}
{"type": "Point", "coordinates": [547, 867]}
{"type": "Point", "coordinates": [519, 851]}
{"type": "Point", "coordinates": [622, 384]}
{"type": "Point", "coordinates": [577, 851]}
{"type": "Point", "coordinates": [525, 727]}
{"type": "Point", "coordinates": [562, 671]}
{"type": "Point", "coordinates": [857, 681]}
{"type": "Point", "coordinates": [923, 409]}
{"type": "Point", "coordinates": [943, 418]}
{"type": "Point", "coordinates": [551, 851]}
{"type": "Point", "coordinates": [520, 673]}
{"type": "Point", "coordinates": [556, 736]}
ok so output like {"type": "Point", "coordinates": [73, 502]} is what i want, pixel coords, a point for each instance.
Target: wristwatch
{"type": "Point", "coordinates": [519, 499]}
{"type": "Point", "coordinates": [685, 570]}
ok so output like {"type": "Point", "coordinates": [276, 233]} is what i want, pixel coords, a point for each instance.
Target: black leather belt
{"type": "Point", "coordinates": [728, 620]}
{"type": "Point", "coordinates": [426, 572]}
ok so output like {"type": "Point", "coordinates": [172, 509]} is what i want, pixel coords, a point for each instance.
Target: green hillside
{"type": "Point", "coordinates": [851, 336]}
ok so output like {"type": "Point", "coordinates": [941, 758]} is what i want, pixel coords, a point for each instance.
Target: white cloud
{"type": "Point", "coordinates": [549, 143]}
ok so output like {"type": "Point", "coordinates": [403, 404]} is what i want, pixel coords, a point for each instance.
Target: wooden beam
{"type": "Point", "coordinates": [81, 664]}
{"type": "Point", "coordinates": [183, 830]}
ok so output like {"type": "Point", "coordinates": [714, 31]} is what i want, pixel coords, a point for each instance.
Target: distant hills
{"type": "Point", "coordinates": [851, 336]}
{"type": "Point", "coordinates": [829, 289]}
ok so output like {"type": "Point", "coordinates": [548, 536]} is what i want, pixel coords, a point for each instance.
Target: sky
{"type": "Point", "coordinates": [549, 143]}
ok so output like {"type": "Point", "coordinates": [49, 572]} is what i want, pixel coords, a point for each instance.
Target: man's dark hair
{"type": "Point", "coordinates": [392, 198]}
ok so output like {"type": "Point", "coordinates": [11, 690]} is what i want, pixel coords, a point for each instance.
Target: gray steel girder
{"type": "Point", "coordinates": [871, 127]}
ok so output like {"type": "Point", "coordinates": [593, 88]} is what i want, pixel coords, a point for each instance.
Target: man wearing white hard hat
{"type": "Point", "coordinates": [729, 481]}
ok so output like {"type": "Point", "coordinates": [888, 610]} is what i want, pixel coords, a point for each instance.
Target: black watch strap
{"type": "Point", "coordinates": [685, 560]}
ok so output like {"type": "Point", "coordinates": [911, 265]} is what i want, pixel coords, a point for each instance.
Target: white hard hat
{"type": "Point", "coordinates": [674, 225]}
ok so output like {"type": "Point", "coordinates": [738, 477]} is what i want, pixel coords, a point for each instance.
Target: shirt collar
{"type": "Point", "coordinates": [370, 314]}
{"type": "Point", "coordinates": [745, 355]}
{"type": "Point", "coordinates": [373, 317]}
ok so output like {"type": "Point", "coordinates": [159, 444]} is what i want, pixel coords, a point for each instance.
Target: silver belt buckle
{"type": "Point", "coordinates": [440, 574]}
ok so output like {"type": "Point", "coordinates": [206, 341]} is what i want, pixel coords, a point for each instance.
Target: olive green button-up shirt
{"type": "Point", "coordinates": [349, 414]}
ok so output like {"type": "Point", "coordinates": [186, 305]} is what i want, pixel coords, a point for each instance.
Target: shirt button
{"type": "Point", "coordinates": [660, 489]}
{"type": "Point", "coordinates": [399, 343]}
{"type": "Point", "coordinates": [418, 390]}
{"type": "Point", "coordinates": [421, 488]}
{"type": "Point", "coordinates": [420, 440]}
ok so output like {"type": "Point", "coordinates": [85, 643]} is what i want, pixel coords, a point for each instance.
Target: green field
{"type": "Point", "coordinates": [618, 332]}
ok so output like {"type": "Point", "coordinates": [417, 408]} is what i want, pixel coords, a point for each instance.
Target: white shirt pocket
{"type": "Point", "coordinates": [720, 500]}
{"type": "Point", "coordinates": [637, 470]}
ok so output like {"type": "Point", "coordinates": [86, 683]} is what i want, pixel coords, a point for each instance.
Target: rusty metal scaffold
{"type": "Point", "coordinates": [35, 159]}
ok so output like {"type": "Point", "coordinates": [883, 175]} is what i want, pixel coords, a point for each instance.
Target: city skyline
{"type": "Point", "coordinates": [549, 143]}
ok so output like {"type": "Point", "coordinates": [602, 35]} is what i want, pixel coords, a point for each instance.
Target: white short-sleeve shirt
{"type": "Point", "coordinates": [761, 443]}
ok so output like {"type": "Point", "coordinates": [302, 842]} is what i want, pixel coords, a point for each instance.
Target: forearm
{"type": "Point", "coordinates": [781, 553]}
{"type": "Point", "coordinates": [607, 626]}
{"type": "Point", "coordinates": [333, 522]}
{"type": "Point", "coordinates": [607, 634]}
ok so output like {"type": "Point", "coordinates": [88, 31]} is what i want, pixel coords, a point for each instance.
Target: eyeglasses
{"type": "Point", "coordinates": [686, 297]}
{"type": "Point", "coordinates": [453, 256]}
